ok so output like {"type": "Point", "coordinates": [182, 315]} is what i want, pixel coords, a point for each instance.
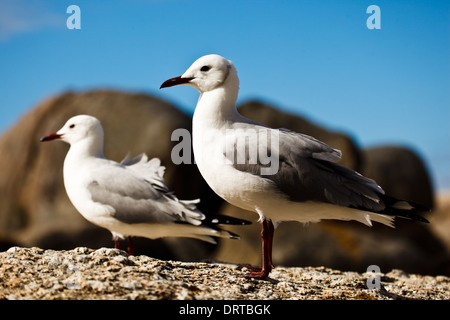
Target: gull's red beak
{"type": "Point", "coordinates": [50, 137]}
{"type": "Point", "coordinates": [175, 81]}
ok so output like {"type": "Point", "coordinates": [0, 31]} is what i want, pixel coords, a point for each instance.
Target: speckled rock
{"type": "Point", "coordinates": [82, 273]}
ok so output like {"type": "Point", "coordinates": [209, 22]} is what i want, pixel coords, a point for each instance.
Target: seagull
{"type": "Point", "coordinates": [300, 181]}
{"type": "Point", "coordinates": [128, 198]}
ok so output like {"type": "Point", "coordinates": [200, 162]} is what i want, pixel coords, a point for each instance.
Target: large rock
{"type": "Point", "coordinates": [440, 221]}
{"type": "Point", "coordinates": [401, 173]}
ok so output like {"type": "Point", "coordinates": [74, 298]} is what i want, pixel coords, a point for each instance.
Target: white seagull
{"type": "Point", "coordinates": [299, 182]}
{"type": "Point", "coordinates": [128, 198]}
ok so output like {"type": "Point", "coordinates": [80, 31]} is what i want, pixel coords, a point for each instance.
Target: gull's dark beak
{"type": "Point", "coordinates": [175, 81]}
{"type": "Point", "coordinates": [50, 137]}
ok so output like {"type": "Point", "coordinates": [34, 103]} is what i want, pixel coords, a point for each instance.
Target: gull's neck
{"type": "Point", "coordinates": [90, 147]}
{"type": "Point", "coordinates": [218, 106]}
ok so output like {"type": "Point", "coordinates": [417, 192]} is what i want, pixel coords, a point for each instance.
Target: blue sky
{"type": "Point", "coordinates": [313, 58]}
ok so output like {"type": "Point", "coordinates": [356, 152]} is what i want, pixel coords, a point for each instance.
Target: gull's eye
{"type": "Point", "coordinates": [205, 68]}
{"type": "Point", "coordinates": [72, 126]}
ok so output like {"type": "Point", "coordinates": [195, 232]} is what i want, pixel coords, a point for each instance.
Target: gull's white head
{"type": "Point", "coordinates": [77, 129]}
{"type": "Point", "coordinates": [207, 73]}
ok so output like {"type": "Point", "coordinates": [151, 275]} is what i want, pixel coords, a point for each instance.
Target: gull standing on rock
{"type": "Point", "coordinates": [128, 198]}
{"type": "Point", "coordinates": [301, 182]}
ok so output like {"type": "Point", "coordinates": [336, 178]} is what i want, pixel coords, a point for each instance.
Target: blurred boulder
{"type": "Point", "coordinates": [440, 220]}
{"type": "Point", "coordinates": [400, 172]}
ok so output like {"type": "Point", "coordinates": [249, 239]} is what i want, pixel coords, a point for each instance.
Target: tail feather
{"type": "Point", "coordinates": [404, 209]}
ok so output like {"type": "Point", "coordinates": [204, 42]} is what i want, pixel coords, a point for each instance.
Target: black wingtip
{"type": "Point", "coordinates": [233, 235]}
{"type": "Point", "coordinates": [394, 207]}
{"type": "Point", "coordinates": [229, 221]}
{"type": "Point", "coordinates": [416, 217]}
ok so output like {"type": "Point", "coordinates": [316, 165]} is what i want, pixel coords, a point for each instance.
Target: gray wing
{"type": "Point", "coordinates": [303, 144]}
{"type": "Point", "coordinates": [306, 172]}
{"type": "Point", "coordinates": [139, 196]}
{"type": "Point", "coordinates": [323, 181]}
{"type": "Point", "coordinates": [288, 141]}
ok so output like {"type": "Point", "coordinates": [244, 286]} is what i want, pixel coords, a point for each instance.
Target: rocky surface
{"type": "Point", "coordinates": [82, 273]}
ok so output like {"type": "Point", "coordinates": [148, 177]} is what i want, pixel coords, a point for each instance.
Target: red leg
{"type": "Point", "coordinates": [116, 243]}
{"type": "Point", "coordinates": [270, 240]}
{"type": "Point", "coordinates": [268, 228]}
{"type": "Point", "coordinates": [130, 247]}
{"type": "Point", "coordinates": [267, 241]}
